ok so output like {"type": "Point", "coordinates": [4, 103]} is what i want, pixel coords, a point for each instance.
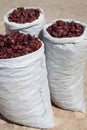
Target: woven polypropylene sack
{"type": "Point", "coordinates": [66, 58]}
{"type": "Point", "coordinates": [33, 28]}
{"type": "Point", "coordinates": [24, 91]}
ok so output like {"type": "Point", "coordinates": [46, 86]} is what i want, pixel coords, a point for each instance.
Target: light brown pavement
{"type": "Point", "coordinates": [77, 9]}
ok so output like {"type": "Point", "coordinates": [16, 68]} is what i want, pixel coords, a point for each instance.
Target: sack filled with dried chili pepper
{"type": "Point", "coordinates": [29, 20]}
{"type": "Point", "coordinates": [66, 48]}
{"type": "Point", "coordinates": [24, 91]}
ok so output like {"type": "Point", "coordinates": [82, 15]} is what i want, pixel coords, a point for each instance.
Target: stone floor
{"type": "Point", "coordinates": [77, 9]}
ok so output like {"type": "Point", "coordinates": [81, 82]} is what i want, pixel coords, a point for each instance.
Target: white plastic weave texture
{"type": "Point", "coordinates": [66, 58]}
{"type": "Point", "coordinates": [24, 91]}
{"type": "Point", "coordinates": [33, 28]}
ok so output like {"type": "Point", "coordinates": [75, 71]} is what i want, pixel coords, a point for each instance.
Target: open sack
{"type": "Point", "coordinates": [66, 59]}
{"type": "Point", "coordinates": [33, 28]}
{"type": "Point", "coordinates": [24, 91]}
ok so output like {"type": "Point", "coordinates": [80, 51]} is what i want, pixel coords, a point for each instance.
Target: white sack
{"type": "Point", "coordinates": [33, 28]}
{"type": "Point", "coordinates": [66, 58]}
{"type": "Point", "coordinates": [24, 91]}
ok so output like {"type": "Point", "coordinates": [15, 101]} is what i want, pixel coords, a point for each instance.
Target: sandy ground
{"type": "Point", "coordinates": [77, 9]}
